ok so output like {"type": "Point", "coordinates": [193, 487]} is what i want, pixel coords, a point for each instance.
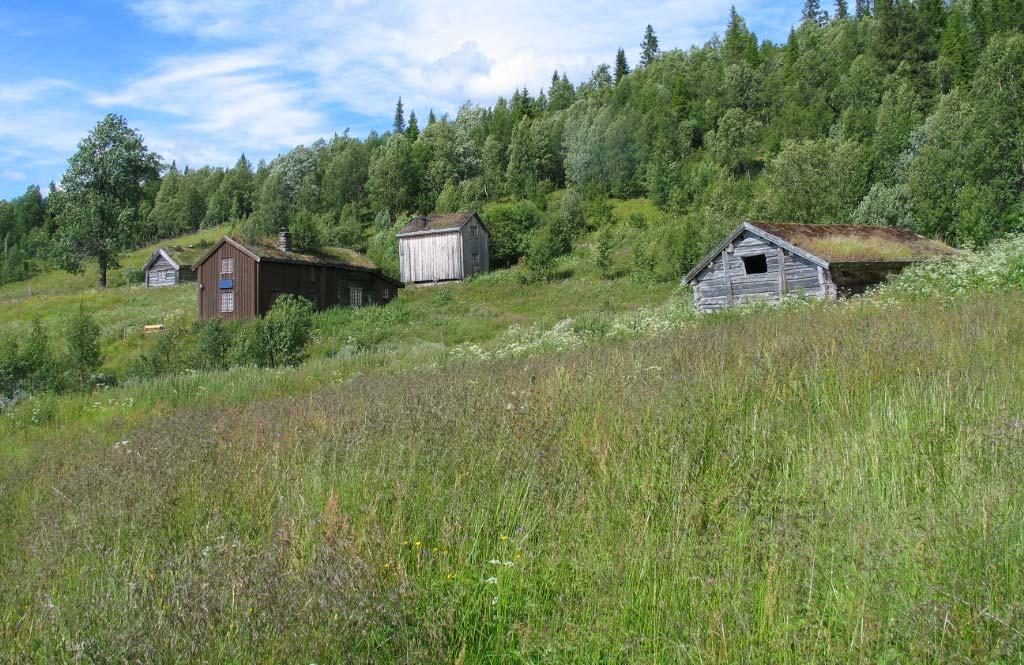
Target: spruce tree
{"type": "Point", "coordinates": [399, 118]}
{"type": "Point", "coordinates": [863, 8]}
{"type": "Point", "coordinates": [812, 11]}
{"type": "Point", "coordinates": [740, 44]}
{"type": "Point", "coordinates": [413, 130]}
{"type": "Point", "coordinates": [431, 118]}
{"type": "Point", "coordinates": [621, 66]}
{"type": "Point", "coordinates": [842, 10]}
{"type": "Point", "coordinates": [649, 46]}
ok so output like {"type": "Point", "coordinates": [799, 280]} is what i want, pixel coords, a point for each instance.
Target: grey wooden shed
{"type": "Point", "coordinates": [443, 248]}
{"type": "Point", "coordinates": [762, 261]}
{"type": "Point", "coordinates": [163, 269]}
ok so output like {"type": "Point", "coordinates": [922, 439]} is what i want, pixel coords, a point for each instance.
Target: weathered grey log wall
{"type": "Point", "coordinates": [161, 273]}
{"type": "Point", "coordinates": [725, 282]}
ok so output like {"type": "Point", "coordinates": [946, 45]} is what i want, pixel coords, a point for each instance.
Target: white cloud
{"type": "Point", "coordinates": [261, 76]}
{"type": "Point", "coordinates": [16, 176]}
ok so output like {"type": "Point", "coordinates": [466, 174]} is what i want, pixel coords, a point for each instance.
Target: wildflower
{"type": "Point", "coordinates": [495, 562]}
{"type": "Point", "coordinates": [491, 580]}
{"type": "Point", "coordinates": [419, 543]}
{"type": "Point", "coordinates": [504, 538]}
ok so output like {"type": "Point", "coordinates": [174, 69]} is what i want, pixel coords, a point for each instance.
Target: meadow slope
{"type": "Point", "coordinates": [830, 483]}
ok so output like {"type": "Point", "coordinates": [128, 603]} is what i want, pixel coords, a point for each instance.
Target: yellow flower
{"type": "Point", "coordinates": [504, 537]}
{"type": "Point", "coordinates": [419, 543]}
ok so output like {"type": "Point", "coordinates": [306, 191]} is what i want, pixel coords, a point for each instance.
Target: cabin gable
{"type": "Point", "coordinates": [228, 283]}
{"type": "Point", "coordinates": [753, 268]}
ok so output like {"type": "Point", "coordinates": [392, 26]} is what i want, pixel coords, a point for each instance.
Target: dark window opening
{"type": "Point", "coordinates": [755, 265]}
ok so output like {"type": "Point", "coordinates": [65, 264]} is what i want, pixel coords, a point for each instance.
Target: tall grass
{"type": "Point", "coordinates": [809, 484]}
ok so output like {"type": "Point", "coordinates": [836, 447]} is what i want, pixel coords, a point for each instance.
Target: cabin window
{"type": "Point", "coordinates": [227, 266]}
{"type": "Point", "coordinates": [355, 296]}
{"type": "Point", "coordinates": [476, 259]}
{"type": "Point", "coordinates": [472, 231]}
{"type": "Point", "coordinates": [755, 265]}
{"type": "Point", "coordinates": [227, 301]}
{"type": "Point", "coordinates": [311, 274]}
{"type": "Point", "coordinates": [386, 292]}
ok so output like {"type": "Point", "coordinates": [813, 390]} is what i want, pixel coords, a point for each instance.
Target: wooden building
{"type": "Point", "coordinates": [239, 280]}
{"type": "Point", "coordinates": [443, 248]}
{"type": "Point", "coordinates": [166, 269]}
{"type": "Point", "coordinates": [764, 261]}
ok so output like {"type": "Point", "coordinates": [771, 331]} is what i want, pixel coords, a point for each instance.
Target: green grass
{"type": "Point", "coordinates": [464, 475]}
{"type": "Point", "coordinates": [825, 483]}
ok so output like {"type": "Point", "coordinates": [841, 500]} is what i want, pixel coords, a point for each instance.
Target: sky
{"type": "Point", "coordinates": [206, 81]}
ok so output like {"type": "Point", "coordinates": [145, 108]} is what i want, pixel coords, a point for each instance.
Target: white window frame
{"type": "Point", "coordinates": [225, 306]}
{"type": "Point", "coordinates": [227, 265]}
{"type": "Point", "coordinates": [355, 296]}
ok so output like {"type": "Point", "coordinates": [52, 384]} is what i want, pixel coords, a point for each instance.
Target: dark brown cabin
{"type": "Point", "coordinates": [762, 261]}
{"type": "Point", "coordinates": [240, 280]}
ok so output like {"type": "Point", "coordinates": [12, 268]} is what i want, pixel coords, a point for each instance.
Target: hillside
{"type": "Point", "coordinates": [817, 483]}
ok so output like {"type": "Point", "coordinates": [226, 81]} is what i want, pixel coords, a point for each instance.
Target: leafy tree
{"type": "Point", "coordinates": [103, 187]}
{"type": "Point", "coordinates": [649, 47]}
{"type": "Point", "coordinates": [390, 178]}
{"type": "Point", "coordinates": [621, 66]}
{"type": "Point", "coordinates": [956, 52]}
{"type": "Point", "coordinates": [734, 144]}
{"type": "Point", "coordinates": [817, 181]}
{"type": "Point", "coordinates": [898, 116]}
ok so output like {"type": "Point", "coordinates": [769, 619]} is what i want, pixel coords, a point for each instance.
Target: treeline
{"type": "Point", "coordinates": [893, 112]}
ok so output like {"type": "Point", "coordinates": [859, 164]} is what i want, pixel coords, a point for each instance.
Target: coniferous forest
{"type": "Point", "coordinates": [895, 112]}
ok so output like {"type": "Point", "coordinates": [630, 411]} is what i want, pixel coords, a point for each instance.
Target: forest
{"type": "Point", "coordinates": [896, 112]}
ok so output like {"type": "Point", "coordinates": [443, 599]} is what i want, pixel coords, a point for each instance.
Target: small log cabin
{"type": "Point", "coordinates": [761, 261]}
{"type": "Point", "coordinates": [166, 269]}
{"type": "Point", "coordinates": [443, 248]}
{"type": "Point", "coordinates": [240, 280]}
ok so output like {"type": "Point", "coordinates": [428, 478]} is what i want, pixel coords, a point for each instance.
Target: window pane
{"type": "Point", "coordinates": [227, 265]}
{"type": "Point", "coordinates": [355, 296]}
{"type": "Point", "coordinates": [227, 301]}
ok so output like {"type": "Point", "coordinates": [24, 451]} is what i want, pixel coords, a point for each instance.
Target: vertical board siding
{"type": "Point", "coordinates": [435, 257]}
{"type": "Point", "coordinates": [245, 284]}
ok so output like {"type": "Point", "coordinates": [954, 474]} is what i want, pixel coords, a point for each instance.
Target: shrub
{"type": "Point", "coordinates": [288, 329]}
{"type": "Point", "coordinates": [603, 252]}
{"type": "Point", "coordinates": [510, 226]}
{"type": "Point", "coordinates": [644, 264]}
{"type": "Point", "coordinates": [213, 345]}
{"type": "Point", "coordinates": [540, 259]}
{"type": "Point", "coordinates": [164, 358]}
{"type": "Point", "coordinates": [251, 346]}
{"type": "Point", "coordinates": [84, 355]}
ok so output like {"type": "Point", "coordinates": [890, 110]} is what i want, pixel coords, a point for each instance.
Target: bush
{"type": "Point", "coordinates": [644, 264]}
{"type": "Point", "coordinates": [603, 253]}
{"type": "Point", "coordinates": [166, 357]}
{"type": "Point", "coordinates": [213, 345]}
{"type": "Point", "coordinates": [510, 226]}
{"type": "Point", "coordinates": [540, 259]}
{"type": "Point", "coordinates": [288, 330]}
{"type": "Point", "coordinates": [84, 355]}
{"type": "Point", "coordinates": [132, 276]}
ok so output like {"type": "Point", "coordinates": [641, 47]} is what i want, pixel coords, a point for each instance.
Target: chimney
{"type": "Point", "coordinates": [284, 240]}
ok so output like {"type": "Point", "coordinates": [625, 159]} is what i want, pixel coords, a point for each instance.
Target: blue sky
{"type": "Point", "coordinates": [206, 81]}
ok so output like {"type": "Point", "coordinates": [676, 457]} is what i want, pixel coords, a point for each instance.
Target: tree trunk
{"type": "Point", "coordinates": [103, 272]}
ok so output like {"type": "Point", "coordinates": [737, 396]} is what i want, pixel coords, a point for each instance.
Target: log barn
{"type": "Point", "coordinates": [165, 268]}
{"type": "Point", "coordinates": [763, 261]}
{"type": "Point", "coordinates": [443, 248]}
{"type": "Point", "coordinates": [241, 280]}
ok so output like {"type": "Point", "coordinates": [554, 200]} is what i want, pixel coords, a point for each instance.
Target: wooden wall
{"type": "Point", "coordinates": [434, 257]}
{"type": "Point", "coordinates": [161, 273]}
{"type": "Point", "coordinates": [724, 282]}
{"type": "Point", "coordinates": [245, 284]}
{"type": "Point", "coordinates": [323, 286]}
{"type": "Point", "coordinates": [475, 244]}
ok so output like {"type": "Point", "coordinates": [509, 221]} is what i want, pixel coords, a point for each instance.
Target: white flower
{"type": "Point", "coordinates": [491, 580]}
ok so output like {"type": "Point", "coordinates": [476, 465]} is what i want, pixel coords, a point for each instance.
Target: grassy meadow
{"type": "Point", "coordinates": [582, 471]}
